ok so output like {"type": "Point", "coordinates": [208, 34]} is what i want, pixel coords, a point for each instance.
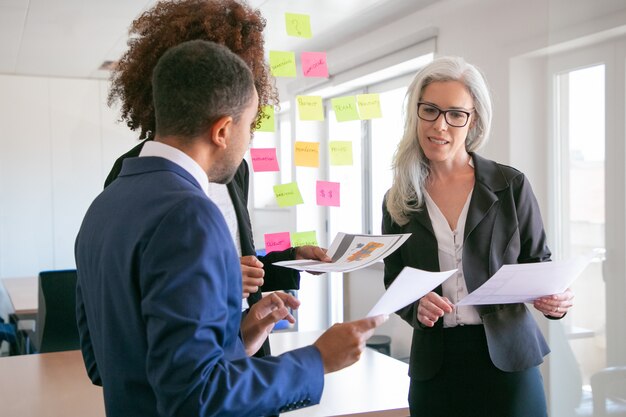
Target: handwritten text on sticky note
{"type": "Point", "coordinates": [267, 119]}
{"type": "Point", "coordinates": [307, 154]}
{"type": "Point", "coordinates": [314, 64]}
{"type": "Point", "coordinates": [345, 108]}
{"type": "Point", "coordinates": [310, 107]}
{"type": "Point", "coordinates": [298, 25]}
{"type": "Point", "coordinates": [276, 242]}
{"type": "Point", "coordinates": [340, 152]}
{"type": "Point", "coordinates": [369, 106]}
{"type": "Point", "coordinates": [303, 238]}
{"type": "Point", "coordinates": [327, 193]}
{"type": "Point", "coordinates": [288, 194]}
{"type": "Point", "coordinates": [264, 159]}
{"type": "Point", "coordinates": [283, 63]}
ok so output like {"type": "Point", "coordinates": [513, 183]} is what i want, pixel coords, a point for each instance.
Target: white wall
{"type": "Point", "coordinates": [58, 141]}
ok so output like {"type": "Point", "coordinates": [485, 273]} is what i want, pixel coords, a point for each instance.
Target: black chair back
{"type": "Point", "coordinates": [56, 316]}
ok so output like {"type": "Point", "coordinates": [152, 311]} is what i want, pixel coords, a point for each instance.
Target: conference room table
{"type": "Point", "coordinates": [56, 384]}
{"type": "Point", "coordinates": [23, 294]}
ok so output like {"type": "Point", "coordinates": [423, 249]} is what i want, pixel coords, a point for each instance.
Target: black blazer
{"type": "Point", "coordinates": [503, 226]}
{"type": "Point", "coordinates": [276, 277]}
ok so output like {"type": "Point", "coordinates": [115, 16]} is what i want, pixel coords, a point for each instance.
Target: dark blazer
{"type": "Point", "coordinates": [159, 306]}
{"type": "Point", "coordinates": [503, 226]}
{"type": "Point", "coordinates": [276, 277]}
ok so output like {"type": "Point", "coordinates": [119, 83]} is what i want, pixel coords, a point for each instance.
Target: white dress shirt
{"type": "Point", "coordinates": [450, 251]}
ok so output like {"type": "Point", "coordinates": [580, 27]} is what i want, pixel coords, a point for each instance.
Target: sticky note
{"type": "Point", "coordinates": [327, 193]}
{"type": "Point", "coordinates": [298, 25]}
{"type": "Point", "coordinates": [369, 106]}
{"type": "Point", "coordinates": [307, 154]}
{"type": "Point", "coordinates": [345, 108]}
{"type": "Point", "coordinates": [283, 63]}
{"type": "Point", "coordinates": [268, 123]}
{"type": "Point", "coordinates": [303, 238]}
{"type": "Point", "coordinates": [314, 64]}
{"type": "Point", "coordinates": [340, 152]}
{"type": "Point", "coordinates": [276, 242]}
{"type": "Point", "coordinates": [310, 107]}
{"type": "Point", "coordinates": [264, 159]}
{"type": "Point", "coordinates": [288, 194]}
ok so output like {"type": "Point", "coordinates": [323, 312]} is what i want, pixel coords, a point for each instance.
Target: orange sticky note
{"type": "Point", "coordinates": [307, 154]}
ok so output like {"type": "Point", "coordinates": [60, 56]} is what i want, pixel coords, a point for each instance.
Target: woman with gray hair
{"type": "Point", "coordinates": [468, 213]}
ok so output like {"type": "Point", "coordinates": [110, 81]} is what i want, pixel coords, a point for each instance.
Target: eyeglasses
{"type": "Point", "coordinates": [454, 117]}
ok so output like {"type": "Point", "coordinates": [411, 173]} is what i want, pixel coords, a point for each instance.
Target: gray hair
{"type": "Point", "coordinates": [410, 166]}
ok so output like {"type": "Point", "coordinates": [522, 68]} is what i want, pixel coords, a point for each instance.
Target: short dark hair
{"type": "Point", "coordinates": [195, 83]}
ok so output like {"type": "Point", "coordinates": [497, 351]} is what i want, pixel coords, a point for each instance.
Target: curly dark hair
{"type": "Point", "coordinates": [169, 23]}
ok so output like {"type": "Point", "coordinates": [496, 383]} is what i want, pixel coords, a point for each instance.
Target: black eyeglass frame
{"type": "Point", "coordinates": [445, 113]}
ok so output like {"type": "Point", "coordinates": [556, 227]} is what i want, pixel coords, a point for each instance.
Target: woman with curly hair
{"type": "Point", "coordinates": [169, 23]}
{"type": "Point", "coordinates": [240, 28]}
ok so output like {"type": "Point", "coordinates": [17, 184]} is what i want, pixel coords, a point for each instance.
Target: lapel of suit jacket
{"type": "Point", "coordinates": [238, 190]}
{"type": "Point", "coordinates": [488, 181]}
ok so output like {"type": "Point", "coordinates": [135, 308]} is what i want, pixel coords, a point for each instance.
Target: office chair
{"type": "Point", "coordinates": [608, 388]}
{"type": "Point", "coordinates": [56, 316]}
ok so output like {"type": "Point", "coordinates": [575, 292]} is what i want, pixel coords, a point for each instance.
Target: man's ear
{"type": "Point", "coordinates": [221, 131]}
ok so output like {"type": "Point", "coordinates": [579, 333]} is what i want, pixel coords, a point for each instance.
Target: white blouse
{"type": "Point", "coordinates": [450, 252]}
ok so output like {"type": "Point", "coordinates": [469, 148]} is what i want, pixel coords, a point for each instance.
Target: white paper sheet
{"type": "Point", "coordinates": [351, 252]}
{"type": "Point", "coordinates": [524, 283]}
{"type": "Point", "coordinates": [410, 285]}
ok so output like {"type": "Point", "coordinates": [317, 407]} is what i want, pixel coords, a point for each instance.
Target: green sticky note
{"type": "Point", "coordinates": [369, 106]}
{"type": "Point", "coordinates": [340, 152]}
{"type": "Point", "coordinates": [267, 119]}
{"type": "Point", "coordinates": [283, 63]}
{"type": "Point", "coordinates": [298, 25]}
{"type": "Point", "coordinates": [310, 107]}
{"type": "Point", "coordinates": [288, 194]}
{"type": "Point", "coordinates": [303, 238]}
{"type": "Point", "coordinates": [345, 108]}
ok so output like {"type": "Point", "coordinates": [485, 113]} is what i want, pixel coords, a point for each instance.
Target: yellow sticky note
{"type": "Point", "coordinates": [288, 194]}
{"type": "Point", "coordinates": [369, 106]}
{"type": "Point", "coordinates": [340, 152]}
{"type": "Point", "coordinates": [267, 119]}
{"type": "Point", "coordinates": [345, 108]}
{"type": "Point", "coordinates": [298, 25]}
{"type": "Point", "coordinates": [310, 107]}
{"type": "Point", "coordinates": [303, 238]}
{"type": "Point", "coordinates": [283, 63]}
{"type": "Point", "coordinates": [307, 154]}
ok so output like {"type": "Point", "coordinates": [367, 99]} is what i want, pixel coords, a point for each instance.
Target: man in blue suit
{"type": "Point", "coordinates": [159, 280]}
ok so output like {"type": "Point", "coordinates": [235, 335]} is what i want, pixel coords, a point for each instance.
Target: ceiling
{"type": "Point", "coordinates": [72, 38]}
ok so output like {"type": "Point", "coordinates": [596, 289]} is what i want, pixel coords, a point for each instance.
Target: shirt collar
{"type": "Point", "coordinates": [153, 148]}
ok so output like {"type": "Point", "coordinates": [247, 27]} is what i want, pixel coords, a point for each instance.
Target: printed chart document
{"type": "Point", "coordinates": [523, 283]}
{"type": "Point", "coordinates": [410, 285]}
{"type": "Point", "coordinates": [351, 252]}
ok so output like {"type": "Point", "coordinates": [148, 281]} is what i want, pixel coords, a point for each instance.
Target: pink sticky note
{"type": "Point", "coordinates": [277, 241]}
{"type": "Point", "coordinates": [327, 193]}
{"type": "Point", "coordinates": [314, 64]}
{"type": "Point", "coordinates": [264, 159]}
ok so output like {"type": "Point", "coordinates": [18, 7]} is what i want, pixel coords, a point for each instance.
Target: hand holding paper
{"type": "Point", "coordinates": [409, 286]}
{"type": "Point", "coordinates": [523, 283]}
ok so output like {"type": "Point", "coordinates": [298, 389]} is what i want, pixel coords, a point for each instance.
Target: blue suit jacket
{"type": "Point", "coordinates": [159, 306]}
{"type": "Point", "coordinates": [503, 226]}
